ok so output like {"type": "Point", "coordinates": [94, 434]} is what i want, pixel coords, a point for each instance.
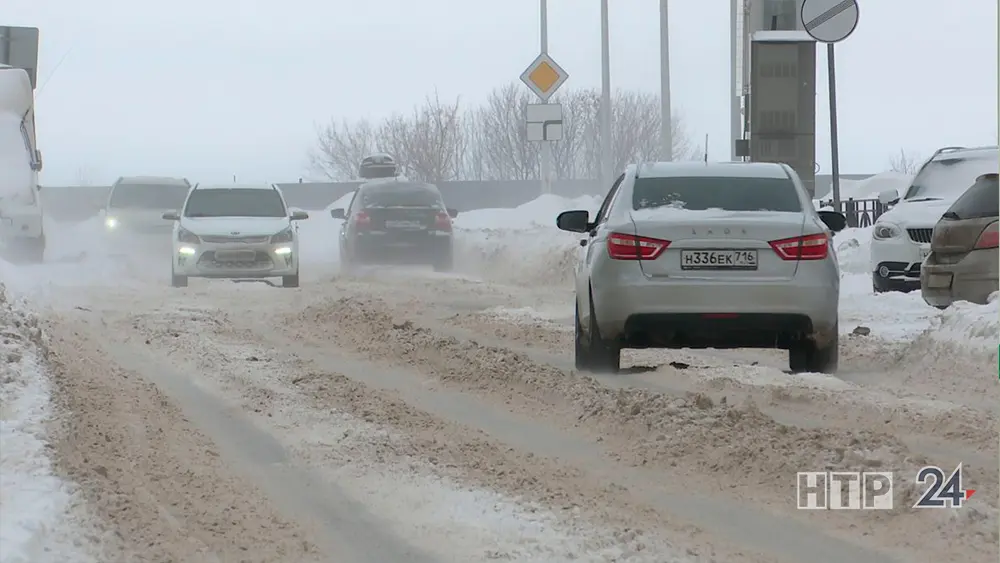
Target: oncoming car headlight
{"type": "Point", "coordinates": [883, 231]}
{"type": "Point", "coordinates": [186, 236]}
{"type": "Point", "coordinates": [283, 236]}
{"type": "Point", "coordinates": [111, 223]}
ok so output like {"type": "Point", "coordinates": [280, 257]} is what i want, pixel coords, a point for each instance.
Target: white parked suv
{"type": "Point", "coordinates": [901, 237]}
{"type": "Point", "coordinates": [235, 232]}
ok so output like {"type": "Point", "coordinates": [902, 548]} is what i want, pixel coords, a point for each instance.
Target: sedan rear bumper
{"type": "Point", "coordinates": [781, 310]}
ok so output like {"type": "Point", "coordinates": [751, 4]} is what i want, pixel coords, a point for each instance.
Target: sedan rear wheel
{"type": "Point", "coordinates": [605, 356]}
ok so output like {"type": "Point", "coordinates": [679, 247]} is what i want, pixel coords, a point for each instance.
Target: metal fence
{"type": "Point", "coordinates": [860, 212]}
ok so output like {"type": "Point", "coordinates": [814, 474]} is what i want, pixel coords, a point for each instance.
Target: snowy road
{"type": "Point", "coordinates": [402, 415]}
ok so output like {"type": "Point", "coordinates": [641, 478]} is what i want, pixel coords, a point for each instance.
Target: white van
{"type": "Point", "coordinates": [20, 161]}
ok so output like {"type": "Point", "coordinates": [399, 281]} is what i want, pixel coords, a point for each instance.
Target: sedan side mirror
{"type": "Point", "coordinates": [298, 215]}
{"type": "Point", "coordinates": [835, 221]}
{"type": "Point", "coordinates": [888, 196]}
{"type": "Point", "coordinates": [452, 212]}
{"type": "Point", "coordinates": [338, 213]}
{"type": "Point", "coordinates": [577, 221]}
{"type": "Point", "coordinates": [172, 216]}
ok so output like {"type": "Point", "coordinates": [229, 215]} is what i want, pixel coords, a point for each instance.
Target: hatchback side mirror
{"type": "Point", "coordinates": [298, 215]}
{"type": "Point", "coordinates": [452, 212]}
{"type": "Point", "coordinates": [338, 213]}
{"type": "Point", "coordinates": [172, 216]}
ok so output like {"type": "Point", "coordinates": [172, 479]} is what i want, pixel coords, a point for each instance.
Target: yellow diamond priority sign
{"type": "Point", "coordinates": [544, 76]}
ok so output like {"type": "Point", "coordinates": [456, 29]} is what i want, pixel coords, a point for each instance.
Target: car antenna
{"type": "Point", "coordinates": [706, 149]}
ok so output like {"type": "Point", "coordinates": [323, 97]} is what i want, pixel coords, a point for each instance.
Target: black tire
{"type": "Point", "coordinates": [178, 281]}
{"type": "Point", "coordinates": [445, 263]}
{"type": "Point", "coordinates": [581, 353]}
{"type": "Point", "coordinates": [806, 356]}
{"type": "Point", "coordinates": [290, 281]}
{"type": "Point", "coordinates": [604, 356]}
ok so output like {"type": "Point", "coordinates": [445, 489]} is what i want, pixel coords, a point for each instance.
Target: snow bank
{"type": "Point", "coordinates": [35, 504]}
{"type": "Point", "coordinates": [870, 187]}
{"type": "Point", "coordinates": [964, 328]}
{"type": "Point", "coordinates": [537, 213]}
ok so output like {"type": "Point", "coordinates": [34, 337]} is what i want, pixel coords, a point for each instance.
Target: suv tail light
{"type": "Point", "coordinates": [632, 247]}
{"type": "Point", "coordinates": [989, 238]}
{"type": "Point", "coordinates": [362, 220]}
{"type": "Point", "coordinates": [809, 247]}
{"type": "Point", "coordinates": [442, 222]}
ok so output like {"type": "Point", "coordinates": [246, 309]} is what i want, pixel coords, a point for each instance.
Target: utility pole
{"type": "Point", "coordinates": [666, 117]}
{"type": "Point", "coordinates": [606, 148]}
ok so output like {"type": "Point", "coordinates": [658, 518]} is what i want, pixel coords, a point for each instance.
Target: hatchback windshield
{"type": "Point", "coordinates": [235, 202]}
{"type": "Point", "coordinates": [400, 197]}
{"type": "Point", "coordinates": [148, 196]}
{"type": "Point", "coordinates": [730, 194]}
{"type": "Point", "coordinates": [948, 178]}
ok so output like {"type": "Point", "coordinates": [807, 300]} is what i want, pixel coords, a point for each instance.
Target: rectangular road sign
{"type": "Point", "coordinates": [544, 76]}
{"type": "Point", "coordinates": [545, 122]}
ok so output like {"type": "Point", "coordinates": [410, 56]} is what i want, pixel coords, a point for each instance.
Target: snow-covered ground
{"type": "Point", "coordinates": [518, 246]}
{"type": "Point", "coordinates": [39, 521]}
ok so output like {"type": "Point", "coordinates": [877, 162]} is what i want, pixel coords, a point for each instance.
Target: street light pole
{"type": "Point", "coordinates": [666, 117]}
{"type": "Point", "coordinates": [606, 152]}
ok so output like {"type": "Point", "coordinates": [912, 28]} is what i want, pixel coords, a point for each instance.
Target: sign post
{"type": "Point", "coordinates": [543, 76]}
{"type": "Point", "coordinates": [831, 21]}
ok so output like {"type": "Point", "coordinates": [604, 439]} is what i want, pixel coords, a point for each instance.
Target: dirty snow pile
{"type": "Point", "coordinates": [520, 244]}
{"type": "Point", "coordinates": [35, 504]}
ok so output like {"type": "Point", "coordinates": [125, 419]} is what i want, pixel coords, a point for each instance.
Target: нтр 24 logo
{"type": "Point", "coordinates": [942, 492]}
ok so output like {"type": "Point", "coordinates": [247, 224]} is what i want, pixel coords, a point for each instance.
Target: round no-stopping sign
{"type": "Point", "coordinates": [829, 21]}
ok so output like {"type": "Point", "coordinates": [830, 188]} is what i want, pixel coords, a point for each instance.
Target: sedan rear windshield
{"type": "Point", "coordinates": [235, 202]}
{"type": "Point", "coordinates": [729, 194]}
{"type": "Point", "coordinates": [148, 196]}
{"type": "Point", "coordinates": [401, 197]}
{"type": "Point", "coordinates": [980, 200]}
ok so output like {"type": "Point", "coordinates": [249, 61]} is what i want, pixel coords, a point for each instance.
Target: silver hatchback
{"type": "Point", "coordinates": [707, 255]}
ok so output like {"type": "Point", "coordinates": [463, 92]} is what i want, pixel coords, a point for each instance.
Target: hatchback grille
{"type": "Point", "coordinates": [236, 239]}
{"type": "Point", "coordinates": [920, 235]}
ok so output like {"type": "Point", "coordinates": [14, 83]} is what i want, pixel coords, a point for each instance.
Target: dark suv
{"type": "Point", "coordinates": [396, 222]}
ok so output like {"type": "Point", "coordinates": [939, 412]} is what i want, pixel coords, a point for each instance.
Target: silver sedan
{"type": "Point", "coordinates": [695, 255]}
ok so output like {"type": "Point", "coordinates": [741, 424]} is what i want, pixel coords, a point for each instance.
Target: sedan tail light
{"type": "Point", "coordinates": [631, 247]}
{"type": "Point", "coordinates": [809, 247]}
{"type": "Point", "coordinates": [442, 222]}
{"type": "Point", "coordinates": [362, 220]}
{"type": "Point", "coordinates": [989, 238]}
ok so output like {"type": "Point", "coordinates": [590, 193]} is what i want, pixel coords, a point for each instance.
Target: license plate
{"type": "Point", "coordinates": [718, 259]}
{"type": "Point", "coordinates": [235, 256]}
{"type": "Point", "coordinates": [403, 225]}
{"type": "Point", "coordinates": [939, 281]}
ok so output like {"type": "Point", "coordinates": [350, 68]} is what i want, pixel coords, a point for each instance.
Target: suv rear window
{"type": "Point", "coordinates": [980, 200]}
{"type": "Point", "coordinates": [726, 193]}
{"type": "Point", "coordinates": [400, 197]}
{"type": "Point", "coordinates": [148, 196]}
{"type": "Point", "coordinates": [947, 178]}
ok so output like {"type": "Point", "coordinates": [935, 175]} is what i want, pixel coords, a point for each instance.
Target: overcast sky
{"type": "Point", "coordinates": [212, 88]}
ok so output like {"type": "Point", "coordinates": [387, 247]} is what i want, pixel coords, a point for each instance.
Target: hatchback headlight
{"type": "Point", "coordinates": [884, 231]}
{"type": "Point", "coordinates": [283, 236]}
{"type": "Point", "coordinates": [186, 236]}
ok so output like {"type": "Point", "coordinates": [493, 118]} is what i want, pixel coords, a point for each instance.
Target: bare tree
{"type": "Point", "coordinates": [905, 163]}
{"type": "Point", "coordinates": [439, 142]}
{"type": "Point", "coordinates": [340, 148]}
